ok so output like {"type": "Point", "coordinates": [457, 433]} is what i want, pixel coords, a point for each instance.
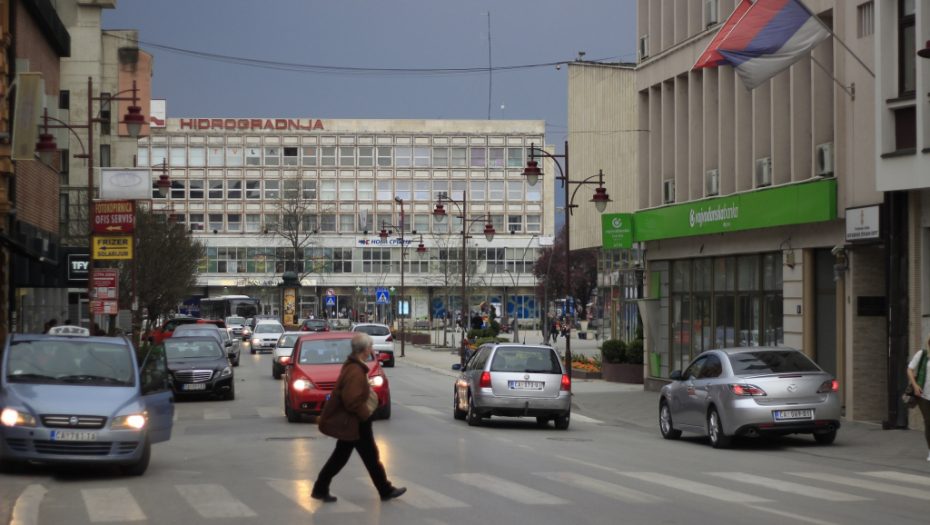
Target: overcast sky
{"type": "Point", "coordinates": [375, 34]}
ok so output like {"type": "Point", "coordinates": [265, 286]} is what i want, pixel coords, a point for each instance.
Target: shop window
{"type": "Point", "coordinates": [440, 157]}
{"type": "Point", "coordinates": [308, 155]}
{"type": "Point", "coordinates": [272, 190]}
{"type": "Point", "coordinates": [748, 307]}
{"type": "Point", "coordinates": [253, 189]}
{"type": "Point", "coordinates": [253, 157]}
{"type": "Point", "coordinates": [724, 306]}
{"type": "Point", "coordinates": [681, 314]}
{"type": "Point", "coordinates": [272, 156]}
{"type": "Point", "coordinates": [214, 156]}
{"type": "Point", "coordinates": [772, 300]}
{"type": "Point", "coordinates": [702, 307]}
{"type": "Point", "coordinates": [215, 190]}
{"type": "Point", "coordinates": [366, 157]}
{"type": "Point", "coordinates": [197, 156]}
{"type": "Point", "coordinates": [196, 189]}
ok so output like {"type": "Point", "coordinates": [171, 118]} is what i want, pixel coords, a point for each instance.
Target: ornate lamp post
{"type": "Point", "coordinates": [421, 251]}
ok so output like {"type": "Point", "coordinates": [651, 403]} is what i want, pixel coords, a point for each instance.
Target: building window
{"type": "Point", "coordinates": [327, 190]}
{"type": "Point", "coordinates": [105, 113]}
{"type": "Point", "coordinates": [384, 157]}
{"type": "Point", "coordinates": [478, 157]}
{"type": "Point", "coordinates": [215, 156]}
{"type": "Point", "coordinates": [196, 189]}
{"type": "Point", "coordinates": [216, 222]}
{"type": "Point", "coordinates": [234, 189]}
{"type": "Point", "coordinates": [234, 222]}
{"type": "Point", "coordinates": [290, 222]}
{"type": "Point", "coordinates": [196, 222]}
{"type": "Point", "coordinates": [155, 193]}
{"type": "Point", "coordinates": [328, 156]}
{"type": "Point", "coordinates": [440, 157]}
{"type": "Point", "coordinates": [253, 189]}
{"type": "Point", "coordinates": [308, 223]}
{"type": "Point", "coordinates": [385, 190]}
{"type": "Point", "coordinates": [328, 223]}
{"type": "Point", "coordinates": [458, 189]}
{"type": "Point", "coordinates": [496, 190]}
{"type": "Point", "coordinates": [514, 157]}
{"type": "Point", "coordinates": [402, 189]}
{"type": "Point", "coordinates": [272, 222]}
{"type": "Point", "coordinates": [253, 222]}
{"type": "Point", "coordinates": [104, 155]}
{"type": "Point", "coordinates": [402, 157]}
{"type": "Point", "coordinates": [234, 157]}
{"type": "Point", "coordinates": [178, 156]}
{"type": "Point", "coordinates": [515, 190]}
{"type": "Point", "coordinates": [496, 157]}
{"type": "Point", "coordinates": [253, 157]}
{"type": "Point", "coordinates": [515, 223]}
{"type": "Point", "coordinates": [342, 260]}
{"type": "Point", "coordinates": [291, 187]}
{"type": "Point", "coordinates": [366, 191]}
{"type": "Point", "coordinates": [142, 157]}
{"type": "Point", "coordinates": [272, 156]}
{"type": "Point", "coordinates": [384, 221]}
{"type": "Point", "coordinates": [421, 157]}
{"type": "Point", "coordinates": [290, 157]}
{"type": "Point", "coordinates": [366, 157]}
{"type": "Point", "coordinates": [215, 189]}
{"type": "Point", "coordinates": [440, 189]}
{"type": "Point", "coordinates": [272, 190]}
{"type": "Point", "coordinates": [905, 128]}
{"type": "Point", "coordinates": [347, 190]}
{"type": "Point", "coordinates": [534, 193]}
{"type": "Point", "coordinates": [440, 227]}
{"type": "Point", "coordinates": [308, 154]}
{"type": "Point", "coordinates": [178, 190]}
{"type": "Point", "coordinates": [477, 190]}
{"type": "Point", "coordinates": [421, 222]}
{"type": "Point", "coordinates": [64, 99]}
{"type": "Point", "coordinates": [376, 260]}
{"type": "Point", "coordinates": [907, 47]}
{"type": "Point", "coordinates": [495, 258]}
{"type": "Point", "coordinates": [459, 157]}
{"type": "Point", "coordinates": [309, 190]}
{"type": "Point", "coordinates": [347, 156]}
{"type": "Point", "coordinates": [197, 156]}
{"type": "Point", "coordinates": [346, 223]}
{"type": "Point", "coordinates": [866, 18]}
{"type": "Point", "coordinates": [158, 155]}
{"type": "Point", "coordinates": [533, 224]}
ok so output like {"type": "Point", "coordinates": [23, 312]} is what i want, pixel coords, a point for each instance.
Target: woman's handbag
{"type": "Point", "coordinates": [372, 401]}
{"type": "Point", "coordinates": [338, 422]}
{"type": "Point", "coordinates": [909, 398]}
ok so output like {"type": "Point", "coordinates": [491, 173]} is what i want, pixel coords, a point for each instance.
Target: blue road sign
{"type": "Point", "coordinates": [381, 289]}
{"type": "Point", "coordinates": [383, 298]}
{"type": "Point", "coordinates": [330, 301]}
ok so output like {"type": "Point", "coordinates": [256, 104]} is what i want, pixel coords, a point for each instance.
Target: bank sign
{"type": "Point", "coordinates": [617, 230]}
{"type": "Point", "coordinates": [795, 204]}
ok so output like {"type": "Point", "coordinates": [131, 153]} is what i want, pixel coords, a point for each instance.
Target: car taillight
{"type": "Point", "coordinates": [326, 329]}
{"type": "Point", "coordinates": [285, 359]}
{"type": "Point", "coordinates": [747, 390]}
{"type": "Point", "coordinates": [389, 339]}
{"type": "Point", "coordinates": [485, 380]}
{"type": "Point", "coordinates": [566, 383]}
{"type": "Point", "coordinates": [304, 329]}
{"type": "Point", "coordinates": [828, 386]}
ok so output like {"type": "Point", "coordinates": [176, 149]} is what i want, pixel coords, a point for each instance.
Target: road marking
{"type": "Point", "coordinates": [866, 484]}
{"type": "Point", "coordinates": [216, 413]}
{"type": "Point", "coordinates": [787, 486]}
{"type": "Point", "coordinates": [507, 489]}
{"type": "Point", "coordinates": [26, 509]}
{"type": "Point", "coordinates": [266, 412]}
{"type": "Point", "coordinates": [585, 463]}
{"type": "Point", "coordinates": [115, 504]}
{"type": "Point", "coordinates": [602, 488]}
{"type": "Point", "coordinates": [790, 515]}
{"type": "Point", "coordinates": [422, 497]}
{"type": "Point", "coordinates": [175, 416]}
{"type": "Point", "coordinates": [701, 489]}
{"type": "Point", "coordinates": [899, 476]}
{"type": "Point", "coordinates": [505, 440]}
{"type": "Point", "coordinates": [214, 501]}
{"type": "Point", "coordinates": [424, 410]}
{"type": "Point", "coordinates": [299, 490]}
{"type": "Point", "coordinates": [584, 419]}
{"type": "Point", "coordinates": [433, 521]}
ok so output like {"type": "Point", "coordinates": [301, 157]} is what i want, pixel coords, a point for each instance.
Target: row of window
{"type": "Point", "coordinates": [350, 190]}
{"type": "Point", "coordinates": [352, 223]}
{"type": "Point", "coordinates": [342, 156]}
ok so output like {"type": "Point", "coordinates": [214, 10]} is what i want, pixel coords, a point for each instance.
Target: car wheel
{"type": "Point", "coordinates": [8, 466]}
{"type": "Point", "coordinates": [236, 362]}
{"type": "Point", "coordinates": [292, 415]}
{"type": "Point", "coordinates": [825, 438]}
{"type": "Point", "coordinates": [715, 430]}
{"type": "Point", "coordinates": [252, 349]}
{"type": "Point", "coordinates": [456, 412]}
{"type": "Point", "coordinates": [385, 411]}
{"type": "Point", "coordinates": [542, 422]}
{"type": "Point", "coordinates": [229, 396]}
{"type": "Point", "coordinates": [137, 469]}
{"type": "Point", "coordinates": [474, 419]}
{"type": "Point", "coordinates": [275, 374]}
{"type": "Point", "coordinates": [665, 422]}
{"type": "Point", "coordinates": [390, 362]}
{"type": "Point", "coordinates": [561, 422]}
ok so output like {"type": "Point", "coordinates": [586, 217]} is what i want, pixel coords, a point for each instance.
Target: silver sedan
{"type": "Point", "coordinates": [750, 392]}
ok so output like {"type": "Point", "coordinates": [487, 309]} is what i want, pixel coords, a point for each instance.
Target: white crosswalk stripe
{"type": "Point", "coordinates": [507, 489]}
{"type": "Point", "coordinates": [299, 490]}
{"type": "Point", "coordinates": [216, 413]}
{"type": "Point", "coordinates": [422, 497]}
{"type": "Point", "coordinates": [115, 504]}
{"type": "Point", "coordinates": [787, 486]}
{"type": "Point", "coordinates": [795, 517]}
{"type": "Point", "coordinates": [900, 476]}
{"type": "Point", "coordinates": [266, 412]}
{"type": "Point", "coordinates": [214, 501]}
{"type": "Point", "coordinates": [866, 484]}
{"type": "Point", "coordinates": [601, 488]}
{"type": "Point", "coordinates": [584, 419]}
{"type": "Point", "coordinates": [425, 410]}
{"type": "Point", "coordinates": [694, 487]}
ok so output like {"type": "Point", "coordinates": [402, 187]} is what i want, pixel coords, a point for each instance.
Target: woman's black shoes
{"type": "Point", "coordinates": [325, 498]}
{"type": "Point", "coordinates": [396, 493]}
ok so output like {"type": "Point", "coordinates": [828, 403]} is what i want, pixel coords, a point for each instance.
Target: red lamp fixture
{"type": "Point", "coordinates": [489, 232]}
{"type": "Point", "coordinates": [46, 148]}
{"type": "Point", "coordinates": [383, 234]}
{"type": "Point", "coordinates": [532, 172]}
{"type": "Point", "coordinates": [439, 213]}
{"type": "Point", "coordinates": [600, 199]}
{"type": "Point", "coordinates": [163, 185]}
{"type": "Point", "coordinates": [421, 250]}
{"type": "Point", "coordinates": [133, 119]}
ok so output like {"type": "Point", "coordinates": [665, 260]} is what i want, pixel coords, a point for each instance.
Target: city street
{"type": "Point", "coordinates": [241, 459]}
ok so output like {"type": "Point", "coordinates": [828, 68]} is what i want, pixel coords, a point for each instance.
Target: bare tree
{"type": "Point", "coordinates": [446, 271]}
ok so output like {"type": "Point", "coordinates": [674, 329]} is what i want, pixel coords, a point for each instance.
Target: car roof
{"type": "Point", "coordinates": [372, 324]}
{"type": "Point", "coordinates": [744, 349]}
{"type": "Point", "coordinates": [46, 337]}
{"type": "Point", "coordinates": [191, 338]}
{"type": "Point", "coordinates": [314, 336]}
{"type": "Point", "coordinates": [197, 326]}
{"type": "Point", "coordinates": [496, 345]}
{"type": "Point", "coordinates": [267, 320]}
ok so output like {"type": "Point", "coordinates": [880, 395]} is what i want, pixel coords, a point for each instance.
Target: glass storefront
{"type": "Point", "coordinates": [620, 281]}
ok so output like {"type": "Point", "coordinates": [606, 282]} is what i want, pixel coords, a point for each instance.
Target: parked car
{"type": "Point", "coordinates": [265, 336]}
{"type": "Point", "coordinates": [282, 353]}
{"type": "Point", "coordinates": [71, 398]}
{"type": "Point", "coordinates": [198, 365]}
{"type": "Point", "coordinates": [230, 344]}
{"type": "Point", "coordinates": [313, 369]}
{"type": "Point", "coordinates": [750, 392]}
{"type": "Point", "coordinates": [513, 381]}
{"type": "Point", "coordinates": [167, 328]}
{"type": "Point", "coordinates": [315, 325]}
{"type": "Point", "coordinates": [383, 341]}
{"type": "Point", "coordinates": [235, 325]}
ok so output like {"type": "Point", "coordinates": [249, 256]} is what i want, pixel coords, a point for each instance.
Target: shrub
{"type": "Point", "coordinates": [613, 351]}
{"type": "Point", "coordinates": [634, 352]}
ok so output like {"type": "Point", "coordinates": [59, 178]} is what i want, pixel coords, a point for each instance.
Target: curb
{"type": "Point", "coordinates": [449, 373]}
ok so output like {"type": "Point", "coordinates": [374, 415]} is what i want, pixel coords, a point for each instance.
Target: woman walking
{"type": "Point", "coordinates": [347, 417]}
{"type": "Point", "coordinates": [918, 371]}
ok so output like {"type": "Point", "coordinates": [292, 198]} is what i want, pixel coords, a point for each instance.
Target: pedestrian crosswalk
{"type": "Point", "coordinates": [770, 492]}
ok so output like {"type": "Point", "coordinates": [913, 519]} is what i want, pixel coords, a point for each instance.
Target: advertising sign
{"type": "Point", "coordinates": [863, 223]}
{"type": "Point", "coordinates": [290, 300]}
{"type": "Point", "coordinates": [125, 183]}
{"type": "Point", "coordinates": [159, 113]}
{"type": "Point", "coordinates": [26, 115]}
{"type": "Point", "coordinates": [105, 284]}
{"type": "Point", "coordinates": [376, 241]}
{"type": "Point", "coordinates": [113, 217]}
{"type": "Point", "coordinates": [113, 247]}
{"type": "Point", "coordinates": [104, 307]}
{"type": "Point", "coordinates": [77, 266]}
{"type": "Point", "coordinates": [617, 230]}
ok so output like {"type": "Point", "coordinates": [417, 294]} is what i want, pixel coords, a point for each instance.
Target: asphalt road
{"type": "Point", "coordinates": [240, 460]}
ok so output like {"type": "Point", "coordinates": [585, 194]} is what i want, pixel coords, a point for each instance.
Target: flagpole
{"type": "Point", "coordinates": [838, 39]}
{"type": "Point", "coordinates": [852, 94]}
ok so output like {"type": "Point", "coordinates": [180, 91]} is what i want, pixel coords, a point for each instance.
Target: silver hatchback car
{"type": "Point", "coordinates": [750, 392]}
{"type": "Point", "coordinates": [513, 380]}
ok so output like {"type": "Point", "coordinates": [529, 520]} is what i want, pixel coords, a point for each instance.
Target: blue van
{"type": "Point", "coordinates": [66, 397]}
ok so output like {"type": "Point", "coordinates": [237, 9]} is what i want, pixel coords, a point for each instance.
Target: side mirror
{"type": "Point", "coordinates": [227, 343]}
{"type": "Point", "coordinates": [456, 367]}
{"type": "Point", "coordinates": [676, 375]}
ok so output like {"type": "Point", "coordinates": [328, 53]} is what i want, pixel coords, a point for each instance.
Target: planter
{"type": "Point", "coordinates": [417, 339]}
{"type": "Point", "coordinates": [581, 374]}
{"type": "Point", "coordinates": [622, 373]}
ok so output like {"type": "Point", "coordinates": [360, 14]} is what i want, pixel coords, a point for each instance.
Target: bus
{"type": "Point", "coordinates": [223, 306]}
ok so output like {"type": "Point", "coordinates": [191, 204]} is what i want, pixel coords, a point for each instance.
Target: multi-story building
{"type": "Point", "coordinates": [236, 181]}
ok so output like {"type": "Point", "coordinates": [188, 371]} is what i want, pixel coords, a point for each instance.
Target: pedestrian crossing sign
{"type": "Point", "coordinates": [383, 298]}
{"type": "Point", "coordinates": [330, 301]}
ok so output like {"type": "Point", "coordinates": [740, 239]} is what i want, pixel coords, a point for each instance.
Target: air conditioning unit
{"type": "Point", "coordinates": [668, 191]}
{"type": "Point", "coordinates": [711, 9]}
{"type": "Point", "coordinates": [712, 183]}
{"type": "Point", "coordinates": [764, 172]}
{"type": "Point", "coordinates": [643, 47]}
{"type": "Point", "coordinates": [824, 160]}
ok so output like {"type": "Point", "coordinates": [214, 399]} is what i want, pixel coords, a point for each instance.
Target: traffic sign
{"type": "Point", "coordinates": [113, 217]}
{"type": "Point", "coordinates": [330, 293]}
{"type": "Point", "coordinates": [330, 301]}
{"type": "Point", "coordinates": [381, 289]}
{"type": "Point", "coordinates": [383, 298]}
{"type": "Point", "coordinates": [113, 247]}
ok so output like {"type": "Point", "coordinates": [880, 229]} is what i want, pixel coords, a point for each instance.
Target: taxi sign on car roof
{"type": "Point", "coordinates": [70, 330]}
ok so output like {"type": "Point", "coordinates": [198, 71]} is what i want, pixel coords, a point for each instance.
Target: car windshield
{"type": "Point", "coordinates": [269, 328]}
{"type": "Point", "coordinates": [188, 349]}
{"type": "Point", "coordinates": [373, 330]}
{"type": "Point", "coordinates": [235, 320]}
{"type": "Point", "coordinates": [70, 361]}
{"type": "Point", "coordinates": [771, 362]}
{"type": "Point", "coordinates": [288, 341]}
{"type": "Point", "coordinates": [525, 360]}
{"type": "Point", "coordinates": [195, 328]}
{"type": "Point", "coordinates": [325, 352]}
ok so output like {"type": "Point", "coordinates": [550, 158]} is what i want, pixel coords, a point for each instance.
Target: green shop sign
{"type": "Point", "coordinates": [617, 230]}
{"type": "Point", "coordinates": [795, 204]}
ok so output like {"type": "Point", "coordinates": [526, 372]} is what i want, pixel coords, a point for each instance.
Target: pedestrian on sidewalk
{"type": "Point", "coordinates": [917, 372]}
{"type": "Point", "coordinates": [347, 417]}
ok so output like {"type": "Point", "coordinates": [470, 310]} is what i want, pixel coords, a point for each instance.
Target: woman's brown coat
{"type": "Point", "coordinates": [348, 402]}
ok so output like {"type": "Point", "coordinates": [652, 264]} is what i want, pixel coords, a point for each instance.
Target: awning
{"type": "Point", "coordinates": [16, 247]}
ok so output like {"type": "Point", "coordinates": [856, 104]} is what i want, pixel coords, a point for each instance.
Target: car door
{"type": "Point", "coordinates": [472, 373]}
{"type": "Point", "coordinates": [683, 395]}
{"type": "Point", "coordinates": [156, 394]}
{"type": "Point", "coordinates": [711, 369]}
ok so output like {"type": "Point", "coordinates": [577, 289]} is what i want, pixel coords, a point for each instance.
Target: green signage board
{"type": "Point", "coordinates": [795, 204]}
{"type": "Point", "coordinates": [617, 230]}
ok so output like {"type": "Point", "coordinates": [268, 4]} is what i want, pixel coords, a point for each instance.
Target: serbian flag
{"type": "Point", "coordinates": [712, 58]}
{"type": "Point", "coordinates": [770, 37]}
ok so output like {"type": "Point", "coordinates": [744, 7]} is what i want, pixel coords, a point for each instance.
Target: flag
{"type": "Point", "coordinates": [711, 57]}
{"type": "Point", "coordinates": [770, 37]}
{"type": "Point", "coordinates": [363, 220]}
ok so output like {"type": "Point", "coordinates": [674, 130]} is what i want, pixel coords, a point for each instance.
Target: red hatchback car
{"type": "Point", "coordinates": [313, 368]}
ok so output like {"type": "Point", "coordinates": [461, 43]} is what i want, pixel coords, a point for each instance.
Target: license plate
{"type": "Point", "coordinates": [58, 435]}
{"type": "Point", "coordinates": [784, 415]}
{"type": "Point", "coordinates": [327, 397]}
{"type": "Point", "coordinates": [526, 385]}
{"type": "Point", "coordinates": [194, 386]}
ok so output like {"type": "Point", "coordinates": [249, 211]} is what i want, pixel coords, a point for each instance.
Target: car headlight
{"type": "Point", "coordinates": [134, 421]}
{"type": "Point", "coordinates": [302, 384]}
{"type": "Point", "coordinates": [15, 418]}
{"type": "Point", "coordinates": [376, 380]}
{"type": "Point", "coordinates": [256, 341]}
{"type": "Point", "coordinates": [226, 372]}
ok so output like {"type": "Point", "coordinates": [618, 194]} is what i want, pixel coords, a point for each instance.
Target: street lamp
{"type": "Point", "coordinates": [421, 251]}
{"type": "Point", "coordinates": [925, 52]}
{"type": "Point", "coordinates": [600, 200]}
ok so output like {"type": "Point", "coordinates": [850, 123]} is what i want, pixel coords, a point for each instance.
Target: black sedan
{"type": "Point", "coordinates": [316, 325]}
{"type": "Point", "coordinates": [199, 365]}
